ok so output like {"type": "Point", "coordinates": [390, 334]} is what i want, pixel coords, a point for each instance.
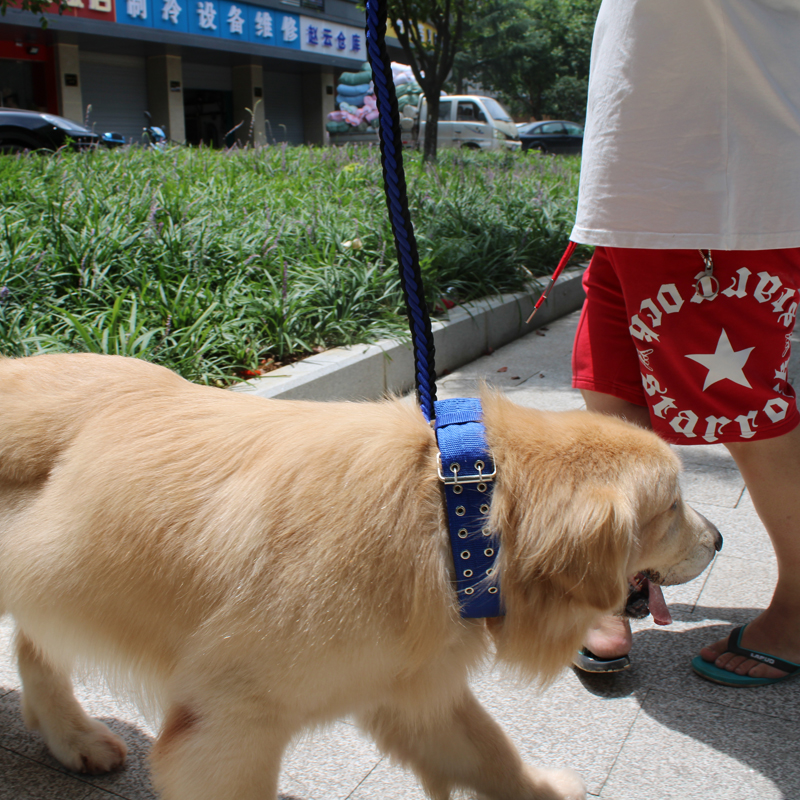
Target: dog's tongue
{"type": "Point", "coordinates": [658, 606]}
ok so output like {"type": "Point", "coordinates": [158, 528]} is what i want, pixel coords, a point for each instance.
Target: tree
{"type": "Point", "coordinates": [533, 53]}
{"type": "Point", "coordinates": [35, 7]}
{"type": "Point", "coordinates": [431, 61]}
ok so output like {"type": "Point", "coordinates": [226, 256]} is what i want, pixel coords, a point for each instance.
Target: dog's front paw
{"type": "Point", "coordinates": [93, 749]}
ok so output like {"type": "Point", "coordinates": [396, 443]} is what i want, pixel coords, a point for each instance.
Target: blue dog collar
{"type": "Point", "coordinates": [467, 471]}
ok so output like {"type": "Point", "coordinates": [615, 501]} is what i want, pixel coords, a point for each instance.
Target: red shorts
{"type": "Point", "coordinates": [709, 370]}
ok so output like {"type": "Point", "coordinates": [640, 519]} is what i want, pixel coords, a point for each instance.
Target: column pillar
{"type": "Point", "coordinates": [165, 95]}
{"type": "Point", "coordinates": [248, 93]}
{"type": "Point", "coordinates": [319, 99]}
{"type": "Point", "coordinates": [68, 71]}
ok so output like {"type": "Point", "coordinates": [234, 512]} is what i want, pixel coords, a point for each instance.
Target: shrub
{"type": "Point", "coordinates": [213, 263]}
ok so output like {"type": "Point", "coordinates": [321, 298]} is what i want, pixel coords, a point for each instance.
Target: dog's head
{"type": "Point", "coordinates": [582, 504]}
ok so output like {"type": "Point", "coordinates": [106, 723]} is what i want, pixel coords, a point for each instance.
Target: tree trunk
{"type": "Point", "coordinates": [431, 130]}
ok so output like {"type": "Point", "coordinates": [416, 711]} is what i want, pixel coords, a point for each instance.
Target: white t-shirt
{"type": "Point", "coordinates": [693, 126]}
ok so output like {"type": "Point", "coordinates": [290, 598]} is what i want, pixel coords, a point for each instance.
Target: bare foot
{"type": "Point", "coordinates": [610, 638]}
{"type": "Point", "coordinates": [761, 635]}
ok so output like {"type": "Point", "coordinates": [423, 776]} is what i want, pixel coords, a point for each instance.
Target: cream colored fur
{"type": "Point", "coordinates": [265, 566]}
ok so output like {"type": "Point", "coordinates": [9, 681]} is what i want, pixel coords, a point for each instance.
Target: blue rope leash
{"type": "Point", "coordinates": [397, 202]}
{"type": "Point", "coordinates": [465, 465]}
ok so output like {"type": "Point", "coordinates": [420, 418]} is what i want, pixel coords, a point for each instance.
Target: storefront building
{"type": "Point", "coordinates": [200, 67]}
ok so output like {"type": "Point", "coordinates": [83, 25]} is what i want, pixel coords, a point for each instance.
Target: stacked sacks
{"type": "Point", "coordinates": [406, 86]}
{"type": "Point", "coordinates": [356, 100]}
{"type": "Point", "coordinates": [353, 87]}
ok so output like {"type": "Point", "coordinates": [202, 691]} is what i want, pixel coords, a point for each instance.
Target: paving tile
{"type": "Point", "coordinates": [533, 396]}
{"type": "Point", "coordinates": [9, 677]}
{"type": "Point", "coordinates": [132, 782]}
{"type": "Point", "coordinates": [22, 779]}
{"type": "Point", "coordinates": [661, 660]}
{"type": "Point", "coordinates": [328, 764]}
{"type": "Point", "coordinates": [535, 372]}
{"type": "Point", "coordinates": [389, 781]}
{"type": "Point", "coordinates": [693, 750]}
{"type": "Point", "coordinates": [742, 531]}
{"type": "Point", "coordinates": [543, 725]}
{"type": "Point", "coordinates": [547, 730]}
{"type": "Point", "coordinates": [722, 488]}
{"type": "Point", "coordinates": [736, 586]}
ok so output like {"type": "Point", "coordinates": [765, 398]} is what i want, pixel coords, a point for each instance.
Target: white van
{"type": "Point", "coordinates": [471, 121]}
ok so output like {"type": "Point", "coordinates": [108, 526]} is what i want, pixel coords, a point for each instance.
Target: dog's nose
{"type": "Point", "coordinates": [717, 534]}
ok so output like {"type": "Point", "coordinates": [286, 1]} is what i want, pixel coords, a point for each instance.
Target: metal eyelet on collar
{"type": "Point", "coordinates": [466, 467]}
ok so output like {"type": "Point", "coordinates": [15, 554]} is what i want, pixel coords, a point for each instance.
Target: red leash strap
{"type": "Point", "coordinates": [559, 269]}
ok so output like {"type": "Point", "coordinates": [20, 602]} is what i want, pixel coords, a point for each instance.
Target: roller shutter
{"type": "Point", "coordinates": [283, 106]}
{"type": "Point", "coordinates": [116, 88]}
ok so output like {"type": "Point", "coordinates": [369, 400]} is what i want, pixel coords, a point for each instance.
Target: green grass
{"type": "Point", "coordinates": [212, 262]}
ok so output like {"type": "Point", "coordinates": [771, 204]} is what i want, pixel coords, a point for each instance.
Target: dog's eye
{"type": "Point", "coordinates": [674, 506]}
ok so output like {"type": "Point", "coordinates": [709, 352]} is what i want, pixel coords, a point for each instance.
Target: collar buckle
{"type": "Point", "coordinates": [456, 477]}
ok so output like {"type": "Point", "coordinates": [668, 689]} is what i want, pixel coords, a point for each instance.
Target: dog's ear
{"type": "Point", "coordinates": [575, 547]}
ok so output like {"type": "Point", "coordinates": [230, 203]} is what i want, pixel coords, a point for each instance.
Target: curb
{"type": "Point", "coordinates": [371, 372]}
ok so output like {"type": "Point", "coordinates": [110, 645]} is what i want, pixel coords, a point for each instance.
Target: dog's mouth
{"type": "Point", "coordinates": [645, 597]}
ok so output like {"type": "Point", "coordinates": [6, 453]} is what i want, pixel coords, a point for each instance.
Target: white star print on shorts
{"type": "Point", "coordinates": [709, 370]}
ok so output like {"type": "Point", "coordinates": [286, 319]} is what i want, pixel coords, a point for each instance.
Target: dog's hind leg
{"type": "Point", "coordinates": [223, 750]}
{"type": "Point", "coordinates": [49, 706]}
{"type": "Point", "coordinates": [464, 748]}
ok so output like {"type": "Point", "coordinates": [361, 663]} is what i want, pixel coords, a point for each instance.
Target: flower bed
{"type": "Point", "coordinates": [221, 264]}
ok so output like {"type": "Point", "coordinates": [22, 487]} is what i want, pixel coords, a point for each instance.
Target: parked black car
{"type": "Point", "coordinates": [552, 136]}
{"type": "Point", "coordinates": [32, 130]}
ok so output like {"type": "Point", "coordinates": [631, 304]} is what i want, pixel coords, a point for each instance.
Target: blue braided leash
{"type": "Point", "coordinates": [466, 468]}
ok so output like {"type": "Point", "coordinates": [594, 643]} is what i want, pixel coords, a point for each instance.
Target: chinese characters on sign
{"type": "Point", "coordinates": [137, 8]}
{"type": "Point", "coordinates": [240, 21]}
{"type": "Point", "coordinates": [320, 36]}
{"type": "Point", "coordinates": [170, 12]}
{"type": "Point", "coordinates": [235, 21]}
{"type": "Point", "coordinates": [206, 13]}
{"type": "Point", "coordinates": [87, 9]}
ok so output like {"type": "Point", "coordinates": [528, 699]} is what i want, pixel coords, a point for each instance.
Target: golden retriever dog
{"type": "Point", "coordinates": [264, 566]}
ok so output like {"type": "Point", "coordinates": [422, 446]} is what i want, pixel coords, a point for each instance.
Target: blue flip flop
{"type": "Point", "coordinates": [707, 670]}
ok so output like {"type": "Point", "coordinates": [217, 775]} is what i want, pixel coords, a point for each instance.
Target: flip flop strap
{"type": "Point", "coordinates": [734, 647]}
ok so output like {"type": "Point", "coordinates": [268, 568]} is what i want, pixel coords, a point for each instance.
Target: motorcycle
{"type": "Point", "coordinates": [154, 135]}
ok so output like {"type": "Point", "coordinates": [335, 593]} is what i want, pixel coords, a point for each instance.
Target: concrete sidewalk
{"type": "Point", "coordinates": [655, 732]}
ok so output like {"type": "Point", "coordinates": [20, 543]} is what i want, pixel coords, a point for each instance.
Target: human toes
{"type": "Point", "coordinates": [714, 651]}
{"type": "Point", "coordinates": [739, 664]}
{"type": "Point", "coordinates": [755, 669]}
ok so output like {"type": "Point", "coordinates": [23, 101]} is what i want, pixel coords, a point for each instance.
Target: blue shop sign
{"type": "Point", "coordinates": [243, 22]}
{"type": "Point", "coordinates": [330, 38]}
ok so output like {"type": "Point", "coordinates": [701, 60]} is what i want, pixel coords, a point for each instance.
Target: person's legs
{"type": "Point", "coordinates": [606, 370]}
{"type": "Point", "coordinates": [616, 407]}
{"type": "Point", "coordinates": [771, 471]}
{"type": "Point", "coordinates": [611, 637]}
